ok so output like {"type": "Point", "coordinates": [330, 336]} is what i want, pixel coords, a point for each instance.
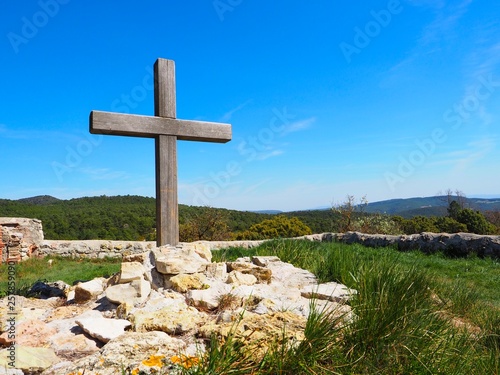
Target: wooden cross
{"type": "Point", "coordinates": [165, 129]}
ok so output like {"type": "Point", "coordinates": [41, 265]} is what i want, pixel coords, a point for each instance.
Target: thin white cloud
{"type": "Point", "coordinates": [31, 134]}
{"type": "Point", "coordinates": [269, 154]}
{"type": "Point", "coordinates": [436, 34]}
{"type": "Point", "coordinates": [226, 117]}
{"type": "Point", "coordinates": [298, 125]}
{"type": "Point", "coordinates": [461, 160]}
{"type": "Point", "coordinates": [444, 24]}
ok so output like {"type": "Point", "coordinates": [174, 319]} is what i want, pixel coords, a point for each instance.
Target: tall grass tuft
{"type": "Point", "coordinates": [406, 314]}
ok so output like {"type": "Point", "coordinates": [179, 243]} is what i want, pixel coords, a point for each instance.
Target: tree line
{"type": "Point", "coordinates": [133, 218]}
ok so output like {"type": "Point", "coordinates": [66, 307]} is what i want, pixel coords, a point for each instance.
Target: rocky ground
{"type": "Point", "coordinates": [159, 312]}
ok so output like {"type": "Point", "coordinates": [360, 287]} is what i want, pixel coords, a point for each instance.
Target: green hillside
{"type": "Point", "coordinates": [112, 218]}
{"type": "Point", "coordinates": [133, 217]}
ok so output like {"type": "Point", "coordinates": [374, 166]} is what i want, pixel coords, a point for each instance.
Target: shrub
{"type": "Point", "coordinates": [278, 227]}
{"type": "Point", "coordinates": [449, 225]}
{"type": "Point", "coordinates": [475, 222]}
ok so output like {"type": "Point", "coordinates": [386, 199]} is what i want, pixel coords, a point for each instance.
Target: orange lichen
{"type": "Point", "coordinates": [154, 361]}
{"type": "Point", "coordinates": [185, 361]}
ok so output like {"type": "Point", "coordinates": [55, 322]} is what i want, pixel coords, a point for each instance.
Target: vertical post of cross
{"type": "Point", "coordinates": [167, 222]}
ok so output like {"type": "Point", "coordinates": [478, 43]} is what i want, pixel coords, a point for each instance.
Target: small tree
{"type": "Point", "coordinates": [347, 210]}
{"type": "Point", "coordinates": [454, 209]}
{"type": "Point", "coordinates": [208, 224]}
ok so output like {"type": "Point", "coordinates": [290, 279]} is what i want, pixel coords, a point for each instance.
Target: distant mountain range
{"type": "Point", "coordinates": [428, 206]}
{"type": "Point", "coordinates": [408, 207]}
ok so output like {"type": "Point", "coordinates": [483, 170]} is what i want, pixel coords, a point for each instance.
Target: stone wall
{"type": "Point", "coordinates": [458, 244]}
{"type": "Point", "coordinates": [23, 238]}
{"type": "Point", "coordinates": [455, 244]}
{"type": "Point", "coordinates": [20, 238]}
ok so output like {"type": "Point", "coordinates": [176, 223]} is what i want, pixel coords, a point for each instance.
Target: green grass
{"type": "Point", "coordinates": [415, 313]}
{"type": "Point", "coordinates": [65, 269]}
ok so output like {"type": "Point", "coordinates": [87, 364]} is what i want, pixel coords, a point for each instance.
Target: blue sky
{"type": "Point", "coordinates": [388, 99]}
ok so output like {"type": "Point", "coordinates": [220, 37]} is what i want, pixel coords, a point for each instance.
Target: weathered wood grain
{"type": "Point", "coordinates": [150, 127]}
{"type": "Point", "coordinates": [167, 206]}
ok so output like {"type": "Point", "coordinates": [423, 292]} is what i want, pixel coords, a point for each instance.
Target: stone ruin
{"type": "Point", "coordinates": [20, 238]}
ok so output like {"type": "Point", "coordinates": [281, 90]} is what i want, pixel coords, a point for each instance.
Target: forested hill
{"type": "Point", "coordinates": [133, 217]}
{"type": "Point", "coordinates": [114, 218]}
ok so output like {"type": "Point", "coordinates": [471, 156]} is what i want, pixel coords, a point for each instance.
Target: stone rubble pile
{"type": "Point", "coordinates": [162, 309]}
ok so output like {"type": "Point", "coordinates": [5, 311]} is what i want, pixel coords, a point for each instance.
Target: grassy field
{"type": "Point", "coordinates": [65, 269]}
{"type": "Point", "coordinates": [414, 313]}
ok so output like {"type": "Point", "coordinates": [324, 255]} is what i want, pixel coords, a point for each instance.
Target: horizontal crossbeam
{"type": "Point", "coordinates": [152, 126]}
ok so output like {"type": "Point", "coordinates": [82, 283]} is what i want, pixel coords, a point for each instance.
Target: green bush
{"type": "Point", "coordinates": [278, 227]}
{"type": "Point", "coordinates": [475, 222]}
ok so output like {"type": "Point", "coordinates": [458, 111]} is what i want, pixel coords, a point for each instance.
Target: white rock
{"type": "Point", "coordinates": [217, 271]}
{"type": "Point", "coordinates": [291, 277]}
{"type": "Point", "coordinates": [70, 337]}
{"type": "Point", "coordinates": [172, 261]}
{"type": "Point", "coordinates": [171, 319]}
{"type": "Point", "coordinates": [29, 359]}
{"type": "Point", "coordinates": [104, 329]}
{"type": "Point", "coordinates": [126, 351]}
{"type": "Point", "coordinates": [122, 293]}
{"type": "Point", "coordinates": [201, 248]}
{"type": "Point", "coordinates": [143, 288]}
{"type": "Point", "coordinates": [208, 298]}
{"type": "Point", "coordinates": [131, 271]}
{"type": "Point", "coordinates": [237, 278]}
{"type": "Point", "coordinates": [84, 292]}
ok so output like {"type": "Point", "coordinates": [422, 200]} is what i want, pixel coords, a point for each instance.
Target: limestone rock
{"type": "Point", "coordinates": [174, 320]}
{"type": "Point", "coordinates": [262, 274]}
{"type": "Point", "coordinates": [29, 359]}
{"type": "Point", "coordinates": [143, 288]}
{"type": "Point", "coordinates": [84, 292]}
{"type": "Point", "coordinates": [173, 261]}
{"type": "Point", "coordinates": [257, 331]}
{"type": "Point", "coordinates": [182, 283]}
{"type": "Point", "coordinates": [10, 371]}
{"type": "Point", "coordinates": [131, 271]}
{"type": "Point", "coordinates": [237, 278]}
{"type": "Point", "coordinates": [126, 352]}
{"type": "Point", "coordinates": [328, 291]}
{"type": "Point", "coordinates": [201, 248]}
{"type": "Point", "coordinates": [132, 293]}
{"type": "Point", "coordinates": [217, 271]}
{"type": "Point", "coordinates": [122, 293]}
{"type": "Point", "coordinates": [291, 277]}
{"type": "Point", "coordinates": [70, 340]}
{"type": "Point", "coordinates": [208, 298]}
{"type": "Point", "coordinates": [138, 257]}
{"type": "Point", "coordinates": [103, 329]}
{"type": "Point", "coordinates": [263, 261]}
{"type": "Point", "coordinates": [283, 299]}
{"type": "Point", "coordinates": [32, 333]}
